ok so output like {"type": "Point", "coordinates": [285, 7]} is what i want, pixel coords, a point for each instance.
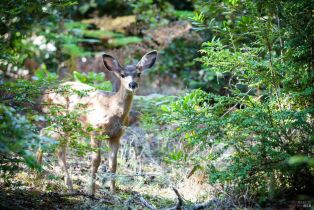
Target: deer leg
{"type": "Point", "coordinates": [114, 144]}
{"type": "Point", "coordinates": [39, 156]}
{"type": "Point", "coordinates": [95, 163]}
{"type": "Point", "coordinates": [63, 164]}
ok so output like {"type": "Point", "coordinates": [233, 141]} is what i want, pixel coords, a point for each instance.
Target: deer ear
{"type": "Point", "coordinates": [147, 61]}
{"type": "Point", "coordinates": [111, 63]}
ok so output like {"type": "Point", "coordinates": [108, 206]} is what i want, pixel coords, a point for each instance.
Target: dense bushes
{"type": "Point", "coordinates": [257, 133]}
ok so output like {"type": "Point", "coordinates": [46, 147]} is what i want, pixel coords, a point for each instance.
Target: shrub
{"type": "Point", "coordinates": [256, 133]}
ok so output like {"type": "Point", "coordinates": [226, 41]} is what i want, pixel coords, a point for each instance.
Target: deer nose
{"type": "Point", "coordinates": [133, 85]}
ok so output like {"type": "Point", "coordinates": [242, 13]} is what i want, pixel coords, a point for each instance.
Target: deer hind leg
{"type": "Point", "coordinates": [114, 144]}
{"type": "Point", "coordinates": [63, 164]}
{"type": "Point", "coordinates": [95, 163]}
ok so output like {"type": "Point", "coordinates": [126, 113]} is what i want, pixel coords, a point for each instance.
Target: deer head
{"type": "Point", "coordinates": [130, 74]}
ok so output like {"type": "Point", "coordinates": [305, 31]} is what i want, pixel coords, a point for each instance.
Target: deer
{"type": "Point", "coordinates": [108, 113]}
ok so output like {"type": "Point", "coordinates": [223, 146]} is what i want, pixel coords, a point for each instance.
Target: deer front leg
{"type": "Point", "coordinates": [63, 164]}
{"type": "Point", "coordinates": [95, 163]}
{"type": "Point", "coordinates": [114, 144]}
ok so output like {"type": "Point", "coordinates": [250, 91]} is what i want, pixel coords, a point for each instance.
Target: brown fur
{"type": "Point", "coordinates": [106, 112]}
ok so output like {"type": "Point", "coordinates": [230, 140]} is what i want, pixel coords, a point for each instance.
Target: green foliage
{"type": "Point", "coordinates": [16, 18]}
{"type": "Point", "coordinates": [101, 34]}
{"type": "Point", "coordinates": [151, 12]}
{"type": "Point", "coordinates": [156, 13]}
{"type": "Point", "coordinates": [257, 132]}
{"type": "Point", "coordinates": [183, 14]}
{"type": "Point", "coordinates": [148, 111]}
{"type": "Point", "coordinates": [109, 38]}
{"type": "Point", "coordinates": [96, 80]}
{"type": "Point", "coordinates": [177, 60]}
{"type": "Point", "coordinates": [122, 41]}
{"type": "Point", "coordinates": [18, 139]}
{"type": "Point", "coordinates": [19, 135]}
{"type": "Point", "coordinates": [113, 7]}
{"type": "Point", "coordinates": [63, 124]}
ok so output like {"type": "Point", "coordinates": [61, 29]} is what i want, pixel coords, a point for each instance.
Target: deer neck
{"type": "Point", "coordinates": [123, 100]}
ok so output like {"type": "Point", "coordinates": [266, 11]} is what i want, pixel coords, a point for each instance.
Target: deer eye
{"type": "Point", "coordinates": [138, 74]}
{"type": "Point", "coordinates": [122, 75]}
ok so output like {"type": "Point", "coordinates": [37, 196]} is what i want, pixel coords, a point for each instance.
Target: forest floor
{"type": "Point", "coordinates": [143, 179]}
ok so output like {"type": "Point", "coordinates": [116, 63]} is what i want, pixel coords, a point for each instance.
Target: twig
{"type": "Point", "coordinates": [230, 110]}
{"type": "Point", "coordinates": [193, 171]}
{"type": "Point", "coordinates": [146, 204]}
{"type": "Point", "coordinates": [179, 205]}
{"type": "Point", "coordinates": [234, 106]}
{"type": "Point", "coordinates": [137, 196]}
